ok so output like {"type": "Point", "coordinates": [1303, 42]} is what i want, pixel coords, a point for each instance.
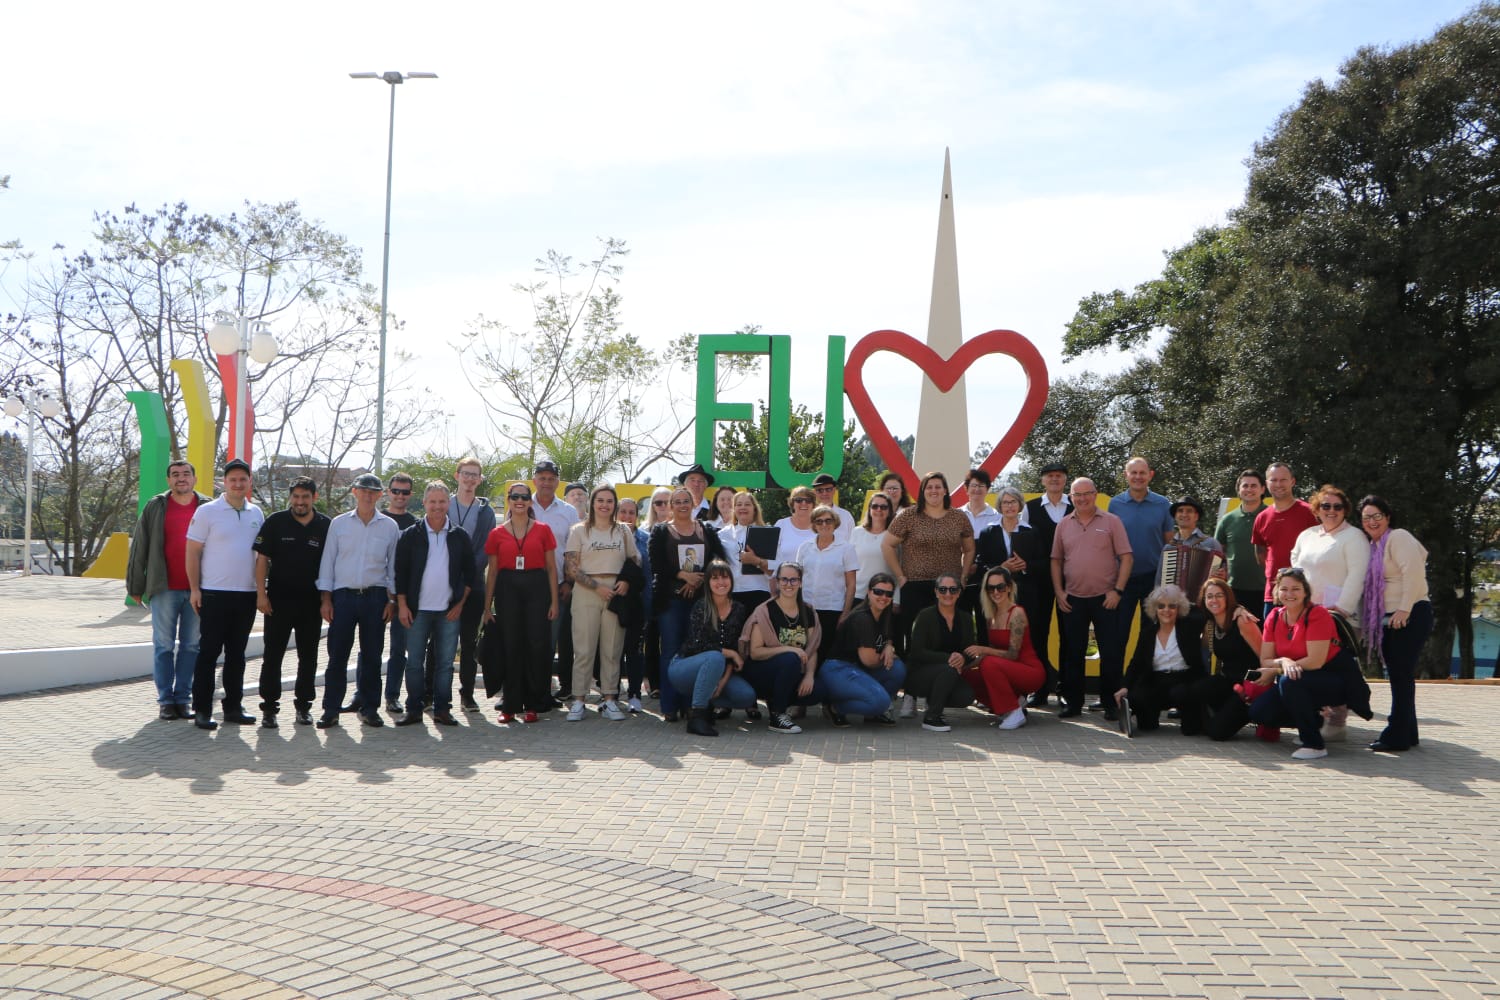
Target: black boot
{"type": "Point", "coordinates": [701, 723]}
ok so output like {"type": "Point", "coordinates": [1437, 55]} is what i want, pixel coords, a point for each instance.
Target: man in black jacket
{"type": "Point", "coordinates": [1043, 514]}
{"type": "Point", "coordinates": [434, 575]}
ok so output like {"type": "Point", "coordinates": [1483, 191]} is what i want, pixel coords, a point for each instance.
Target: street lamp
{"type": "Point", "coordinates": [48, 408]}
{"type": "Point", "coordinates": [244, 338]}
{"type": "Point", "coordinates": [391, 77]}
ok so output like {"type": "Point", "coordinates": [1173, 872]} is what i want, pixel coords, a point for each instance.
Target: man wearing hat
{"type": "Point", "coordinates": [357, 584]}
{"type": "Point", "coordinates": [220, 562]}
{"type": "Point", "coordinates": [1187, 512]}
{"type": "Point", "coordinates": [697, 480]}
{"type": "Point", "coordinates": [825, 488]}
{"type": "Point", "coordinates": [559, 515]}
{"type": "Point", "coordinates": [1043, 514]}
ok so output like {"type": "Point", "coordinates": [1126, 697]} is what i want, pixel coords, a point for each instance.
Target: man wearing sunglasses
{"type": "Point", "coordinates": [397, 496]}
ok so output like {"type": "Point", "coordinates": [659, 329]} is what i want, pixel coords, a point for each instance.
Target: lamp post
{"type": "Point", "coordinates": [391, 77]}
{"type": "Point", "coordinates": [244, 338]}
{"type": "Point", "coordinates": [33, 404]}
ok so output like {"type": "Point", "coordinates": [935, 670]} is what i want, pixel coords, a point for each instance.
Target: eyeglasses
{"type": "Point", "coordinates": [947, 589]}
{"type": "Point", "coordinates": [789, 581]}
{"type": "Point", "coordinates": [470, 474]}
{"type": "Point", "coordinates": [882, 593]}
{"type": "Point", "coordinates": [399, 493]}
{"type": "Point", "coordinates": [801, 500]}
{"type": "Point", "coordinates": [997, 586]}
{"type": "Point", "coordinates": [1084, 493]}
{"type": "Point", "coordinates": [1330, 506]}
{"type": "Point", "coordinates": [1374, 515]}
{"type": "Point", "coordinates": [823, 489]}
{"type": "Point", "coordinates": [1166, 607]}
{"type": "Point", "coordinates": [824, 520]}
{"type": "Point", "coordinates": [518, 496]}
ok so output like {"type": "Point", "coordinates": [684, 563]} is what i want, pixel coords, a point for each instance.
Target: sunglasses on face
{"type": "Point", "coordinates": [518, 496]}
{"type": "Point", "coordinates": [1166, 607]}
{"type": "Point", "coordinates": [823, 520]}
{"type": "Point", "coordinates": [658, 503]}
{"type": "Point", "coordinates": [1330, 506]}
{"type": "Point", "coordinates": [996, 586]}
{"type": "Point", "coordinates": [880, 506]}
{"type": "Point", "coordinates": [947, 589]}
{"type": "Point", "coordinates": [882, 593]}
{"type": "Point", "coordinates": [400, 493]}
{"type": "Point", "coordinates": [801, 500]}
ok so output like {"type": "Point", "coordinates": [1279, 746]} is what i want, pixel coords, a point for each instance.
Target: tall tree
{"type": "Point", "coordinates": [745, 444]}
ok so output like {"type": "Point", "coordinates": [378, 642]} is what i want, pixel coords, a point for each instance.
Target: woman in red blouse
{"type": "Point", "coordinates": [521, 583]}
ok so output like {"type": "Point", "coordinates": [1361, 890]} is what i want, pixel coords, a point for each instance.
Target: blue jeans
{"type": "Point", "coordinates": [444, 636]}
{"type": "Point", "coordinates": [672, 625]}
{"type": "Point", "coordinates": [737, 693]}
{"type": "Point", "coordinates": [696, 677]}
{"type": "Point", "coordinates": [174, 623]}
{"type": "Point", "coordinates": [853, 690]}
{"type": "Point", "coordinates": [395, 665]}
{"type": "Point", "coordinates": [1302, 700]}
{"type": "Point", "coordinates": [364, 612]}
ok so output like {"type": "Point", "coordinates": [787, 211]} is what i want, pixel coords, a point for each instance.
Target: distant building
{"type": "Point", "coordinates": [1486, 647]}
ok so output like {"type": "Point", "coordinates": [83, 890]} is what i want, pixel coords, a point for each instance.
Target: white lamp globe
{"type": "Point", "coordinates": [49, 407]}
{"type": "Point", "coordinates": [223, 339]}
{"type": "Point", "coordinates": [14, 406]}
{"type": "Point", "coordinates": [263, 348]}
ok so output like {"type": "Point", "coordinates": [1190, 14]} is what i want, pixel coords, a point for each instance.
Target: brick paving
{"type": "Point", "coordinates": [144, 859]}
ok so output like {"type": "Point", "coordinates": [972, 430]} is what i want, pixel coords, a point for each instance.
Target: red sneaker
{"type": "Point", "coordinates": [530, 717]}
{"type": "Point", "coordinates": [506, 718]}
{"type": "Point", "coordinates": [1271, 734]}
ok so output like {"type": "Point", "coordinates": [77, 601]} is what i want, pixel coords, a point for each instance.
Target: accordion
{"type": "Point", "coordinates": [1188, 568]}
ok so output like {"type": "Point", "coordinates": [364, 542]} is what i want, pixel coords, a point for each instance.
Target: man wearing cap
{"type": "Point", "coordinates": [220, 560]}
{"type": "Point", "coordinates": [825, 488]}
{"type": "Point", "coordinates": [1043, 514]}
{"type": "Point", "coordinates": [577, 496]}
{"type": "Point", "coordinates": [156, 577]}
{"type": "Point", "coordinates": [434, 574]}
{"type": "Point", "coordinates": [697, 481]}
{"type": "Point", "coordinates": [357, 582]}
{"type": "Point", "coordinates": [559, 515]}
{"type": "Point", "coordinates": [288, 553]}
{"type": "Point", "coordinates": [474, 515]}
{"type": "Point", "coordinates": [1186, 513]}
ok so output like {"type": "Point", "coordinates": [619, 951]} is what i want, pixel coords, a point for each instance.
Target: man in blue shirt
{"type": "Point", "coordinates": [1149, 526]}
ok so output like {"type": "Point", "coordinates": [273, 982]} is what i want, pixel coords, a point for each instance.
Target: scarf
{"type": "Point", "coordinates": [1372, 605]}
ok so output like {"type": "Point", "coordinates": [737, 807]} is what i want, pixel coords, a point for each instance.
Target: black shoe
{"type": "Point", "coordinates": [1381, 746]}
{"type": "Point", "coordinates": [1070, 712]}
{"type": "Point", "coordinates": [722, 713]}
{"type": "Point", "coordinates": [167, 713]}
{"type": "Point", "coordinates": [700, 723]}
{"type": "Point", "coordinates": [353, 706]}
{"type": "Point", "coordinates": [444, 718]}
{"type": "Point", "coordinates": [204, 721]}
{"type": "Point", "coordinates": [371, 719]}
{"type": "Point", "coordinates": [1038, 700]}
{"type": "Point", "coordinates": [883, 719]}
{"type": "Point", "coordinates": [268, 721]}
{"type": "Point", "coordinates": [936, 724]}
{"type": "Point", "coordinates": [328, 722]}
{"type": "Point", "coordinates": [304, 717]}
{"type": "Point", "coordinates": [834, 716]}
{"type": "Point", "coordinates": [1173, 713]}
{"type": "Point", "coordinates": [410, 719]}
{"type": "Point", "coordinates": [468, 703]}
{"type": "Point", "coordinates": [239, 715]}
{"type": "Point", "coordinates": [671, 717]}
{"type": "Point", "coordinates": [183, 711]}
{"type": "Point", "coordinates": [1097, 706]}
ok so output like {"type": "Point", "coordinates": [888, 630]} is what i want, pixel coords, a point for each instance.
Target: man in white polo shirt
{"type": "Point", "coordinates": [220, 561]}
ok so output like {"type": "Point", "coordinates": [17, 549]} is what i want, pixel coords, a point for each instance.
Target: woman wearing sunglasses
{"type": "Point", "coordinates": [520, 588]}
{"type": "Point", "coordinates": [1166, 668]}
{"type": "Point", "coordinates": [781, 642]}
{"type": "Point", "coordinates": [936, 656]}
{"type": "Point", "coordinates": [681, 548]}
{"type": "Point", "coordinates": [1007, 669]}
{"type": "Point", "coordinates": [829, 569]}
{"type": "Point", "coordinates": [864, 673]}
{"type": "Point", "coordinates": [866, 538]}
{"type": "Point", "coordinates": [1334, 554]}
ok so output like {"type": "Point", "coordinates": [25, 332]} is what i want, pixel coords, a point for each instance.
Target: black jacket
{"type": "Point", "coordinates": [411, 563]}
{"type": "Point", "coordinates": [989, 551]}
{"type": "Point", "coordinates": [1189, 639]}
{"type": "Point", "coordinates": [663, 552]}
{"type": "Point", "coordinates": [1041, 522]}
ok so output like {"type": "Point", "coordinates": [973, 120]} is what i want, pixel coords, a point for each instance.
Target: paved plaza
{"type": "Point", "coordinates": [597, 859]}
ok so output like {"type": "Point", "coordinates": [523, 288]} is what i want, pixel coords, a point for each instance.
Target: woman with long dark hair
{"type": "Point", "coordinates": [520, 587]}
{"type": "Point", "coordinates": [681, 548]}
{"type": "Point", "coordinates": [1396, 616]}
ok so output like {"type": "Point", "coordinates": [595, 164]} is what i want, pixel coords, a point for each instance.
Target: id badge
{"type": "Point", "coordinates": [520, 562]}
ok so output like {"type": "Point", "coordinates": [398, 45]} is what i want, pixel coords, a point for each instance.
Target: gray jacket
{"type": "Point", "coordinates": [146, 572]}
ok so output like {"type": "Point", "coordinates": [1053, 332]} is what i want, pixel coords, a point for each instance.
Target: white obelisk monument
{"type": "Point", "coordinates": [943, 417]}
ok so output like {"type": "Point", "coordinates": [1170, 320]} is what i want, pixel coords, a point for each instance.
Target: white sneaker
{"type": "Point", "coordinates": [575, 711]}
{"type": "Point", "coordinates": [611, 710]}
{"type": "Point", "coordinates": [1308, 753]}
{"type": "Point", "coordinates": [1014, 720]}
{"type": "Point", "coordinates": [635, 706]}
{"type": "Point", "coordinates": [1335, 734]}
{"type": "Point", "coordinates": [781, 723]}
{"type": "Point", "coordinates": [908, 706]}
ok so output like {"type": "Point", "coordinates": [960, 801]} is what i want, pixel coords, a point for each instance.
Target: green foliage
{"type": "Point", "coordinates": [1346, 320]}
{"type": "Point", "coordinates": [745, 445]}
{"type": "Point", "coordinates": [499, 468]}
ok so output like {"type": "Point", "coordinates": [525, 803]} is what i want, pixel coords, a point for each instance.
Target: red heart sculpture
{"type": "Point", "coordinates": [945, 374]}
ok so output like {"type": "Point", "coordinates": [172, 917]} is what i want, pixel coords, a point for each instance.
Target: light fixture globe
{"type": "Point", "coordinates": [263, 348]}
{"type": "Point", "coordinates": [223, 339]}
{"type": "Point", "coordinates": [48, 407]}
{"type": "Point", "coordinates": [14, 406]}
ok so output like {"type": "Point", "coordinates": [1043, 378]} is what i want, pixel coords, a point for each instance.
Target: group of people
{"type": "Point", "coordinates": [919, 608]}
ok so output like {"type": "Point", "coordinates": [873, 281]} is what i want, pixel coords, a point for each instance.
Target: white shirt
{"type": "Point", "coordinates": [823, 573]}
{"type": "Point", "coordinates": [436, 593]}
{"type": "Point", "coordinates": [792, 539]}
{"type": "Point", "coordinates": [358, 555]}
{"type": "Point", "coordinates": [560, 517]}
{"type": "Point", "coordinates": [228, 536]}
{"type": "Point", "coordinates": [1167, 659]}
{"type": "Point", "coordinates": [866, 545]}
{"type": "Point", "coordinates": [733, 538]}
{"type": "Point", "coordinates": [845, 530]}
{"type": "Point", "coordinates": [1335, 566]}
{"type": "Point", "coordinates": [1056, 511]}
{"type": "Point", "coordinates": [987, 516]}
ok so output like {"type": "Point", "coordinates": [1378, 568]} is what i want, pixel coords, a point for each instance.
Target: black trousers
{"type": "Point", "coordinates": [224, 624]}
{"type": "Point", "coordinates": [564, 646]}
{"type": "Point", "coordinates": [298, 614]}
{"type": "Point", "coordinates": [521, 602]}
{"type": "Point", "coordinates": [1153, 693]}
{"type": "Point", "coordinates": [941, 685]}
{"type": "Point", "coordinates": [468, 644]}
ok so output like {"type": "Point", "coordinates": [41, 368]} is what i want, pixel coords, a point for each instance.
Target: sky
{"type": "Point", "coordinates": [777, 164]}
